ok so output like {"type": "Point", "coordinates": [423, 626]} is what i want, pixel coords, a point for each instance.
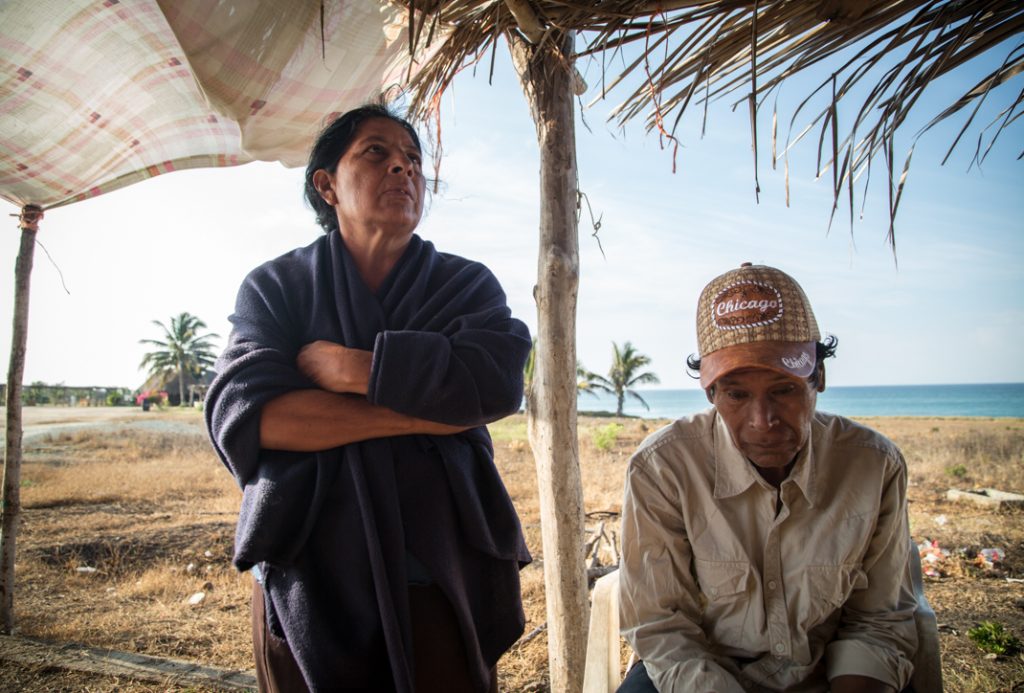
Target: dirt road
{"type": "Point", "coordinates": [38, 421]}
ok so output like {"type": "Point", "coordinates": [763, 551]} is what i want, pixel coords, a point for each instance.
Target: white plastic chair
{"type": "Point", "coordinates": [927, 662]}
{"type": "Point", "coordinates": [603, 672]}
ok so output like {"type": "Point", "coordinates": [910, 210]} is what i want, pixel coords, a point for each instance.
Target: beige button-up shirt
{"type": "Point", "coordinates": [728, 584]}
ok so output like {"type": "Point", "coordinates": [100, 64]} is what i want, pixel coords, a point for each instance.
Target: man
{"type": "Point", "coordinates": [765, 544]}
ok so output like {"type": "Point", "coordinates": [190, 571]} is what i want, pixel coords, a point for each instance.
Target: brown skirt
{"type": "Point", "coordinates": [439, 662]}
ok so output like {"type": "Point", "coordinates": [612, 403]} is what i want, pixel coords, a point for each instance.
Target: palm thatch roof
{"type": "Point", "coordinates": [689, 52]}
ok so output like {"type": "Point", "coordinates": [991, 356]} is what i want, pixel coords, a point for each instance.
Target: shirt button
{"type": "Point", "coordinates": [780, 648]}
{"type": "Point", "coordinates": [771, 584]}
{"type": "Point", "coordinates": [714, 591]}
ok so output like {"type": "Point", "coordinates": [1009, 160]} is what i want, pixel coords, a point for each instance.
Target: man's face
{"type": "Point", "coordinates": [768, 413]}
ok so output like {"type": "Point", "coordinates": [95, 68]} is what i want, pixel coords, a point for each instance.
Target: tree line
{"type": "Point", "coordinates": [184, 352]}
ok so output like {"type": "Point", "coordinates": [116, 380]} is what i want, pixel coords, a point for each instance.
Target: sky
{"type": "Point", "coordinates": [947, 308]}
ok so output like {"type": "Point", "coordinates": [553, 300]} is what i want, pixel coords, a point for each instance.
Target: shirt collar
{"type": "Point", "coordinates": [734, 474]}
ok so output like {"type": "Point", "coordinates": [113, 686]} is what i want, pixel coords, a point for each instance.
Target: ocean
{"type": "Point", "coordinates": [989, 400]}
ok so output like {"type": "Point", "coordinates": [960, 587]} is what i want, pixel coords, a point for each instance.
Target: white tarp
{"type": "Point", "coordinates": [96, 95]}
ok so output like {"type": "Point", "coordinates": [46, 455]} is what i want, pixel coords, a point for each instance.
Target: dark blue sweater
{"type": "Point", "coordinates": [331, 530]}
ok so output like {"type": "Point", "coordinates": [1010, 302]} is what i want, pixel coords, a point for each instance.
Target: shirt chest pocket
{"type": "Point", "coordinates": [827, 587]}
{"type": "Point", "coordinates": [731, 606]}
{"type": "Point", "coordinates": [722, 580]}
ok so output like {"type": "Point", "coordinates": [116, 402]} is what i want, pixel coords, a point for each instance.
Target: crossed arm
{"type": "Point", "coordinates": [338, 413]}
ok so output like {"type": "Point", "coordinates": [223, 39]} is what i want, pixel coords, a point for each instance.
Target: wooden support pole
{"type": "Point", "coordinates": [10, 507]}
{"type": "Point", "coordinates": [546, 75]}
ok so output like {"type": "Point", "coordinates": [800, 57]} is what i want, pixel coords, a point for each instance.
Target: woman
{"type": "Point", "coordinates": [350, 406]}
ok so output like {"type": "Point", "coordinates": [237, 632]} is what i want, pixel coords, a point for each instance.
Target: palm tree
{"type": "Point", "coordinates": [583, 377]}
{"type": "Point", "coordinates": [623, 375]}
{"type": "Point", "coordinates": [182, 351]}
{"type": "Point", "coordinates": [584, 380]}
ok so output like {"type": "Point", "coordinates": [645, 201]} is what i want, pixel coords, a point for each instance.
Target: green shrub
{"type": "Point", "coordinates": [991, 637]}
{"type": "Point", "coordinates": [957, 470]}
{"type": "Point", "coordinates": [605, 437]}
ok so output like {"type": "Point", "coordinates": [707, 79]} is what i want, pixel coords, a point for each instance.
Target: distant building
{"type": "Point", "coordinates": [195, 388]}
{"type": "Point", "coordinates": [61, 395]}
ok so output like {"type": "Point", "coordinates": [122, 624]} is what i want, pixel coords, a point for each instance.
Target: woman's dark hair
{"type": "Point", "coordinates": [332, 143]}
{"type": "Point", "coordinates": [824, 349]}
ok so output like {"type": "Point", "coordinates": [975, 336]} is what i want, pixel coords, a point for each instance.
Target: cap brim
{"type": "Point", "coordinates": [789, 358]}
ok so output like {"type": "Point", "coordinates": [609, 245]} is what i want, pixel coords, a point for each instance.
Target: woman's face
{"type": "Point", "coordinates": [379, 184]}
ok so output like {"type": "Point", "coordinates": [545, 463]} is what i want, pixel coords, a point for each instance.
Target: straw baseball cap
{"type": "Point", "coordinates": [755, 317]}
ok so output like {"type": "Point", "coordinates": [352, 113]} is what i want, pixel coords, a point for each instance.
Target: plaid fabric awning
{"type": "Point", "coordinates": [98, 94]}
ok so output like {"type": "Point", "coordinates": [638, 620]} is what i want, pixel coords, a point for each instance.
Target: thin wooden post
{"type": "Point", "coordinates": [10, 508]}
{"type": "Point", "coordinates": [546, 75]}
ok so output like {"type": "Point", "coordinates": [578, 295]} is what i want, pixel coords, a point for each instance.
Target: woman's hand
{"type": "Point", "coordinates": [336, 368]}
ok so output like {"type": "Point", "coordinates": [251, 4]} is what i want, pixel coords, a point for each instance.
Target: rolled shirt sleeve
{"type": "Point", "coordinates": [462, 367]}
{"type": "Point", "coordinates": [659, 601]}
{"type": "Point", "coordinates": [877, 635]}
{"type": "Point", "coordinates": [467, 376]}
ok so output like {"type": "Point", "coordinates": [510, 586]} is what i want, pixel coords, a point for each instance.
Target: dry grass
{"type": "Point", "coordinates": [152, 510]}
{"type": "Point", "coordinates": [121, 527]}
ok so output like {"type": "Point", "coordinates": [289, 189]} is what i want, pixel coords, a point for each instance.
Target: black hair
{"type": "Point", "coordinates": [824, 349]}
{"type": "Point", "coordinates": [332, 143]}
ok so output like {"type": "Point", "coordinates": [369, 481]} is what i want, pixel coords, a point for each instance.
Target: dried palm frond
{"type": "Point", "coordinates": [694, 51]}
